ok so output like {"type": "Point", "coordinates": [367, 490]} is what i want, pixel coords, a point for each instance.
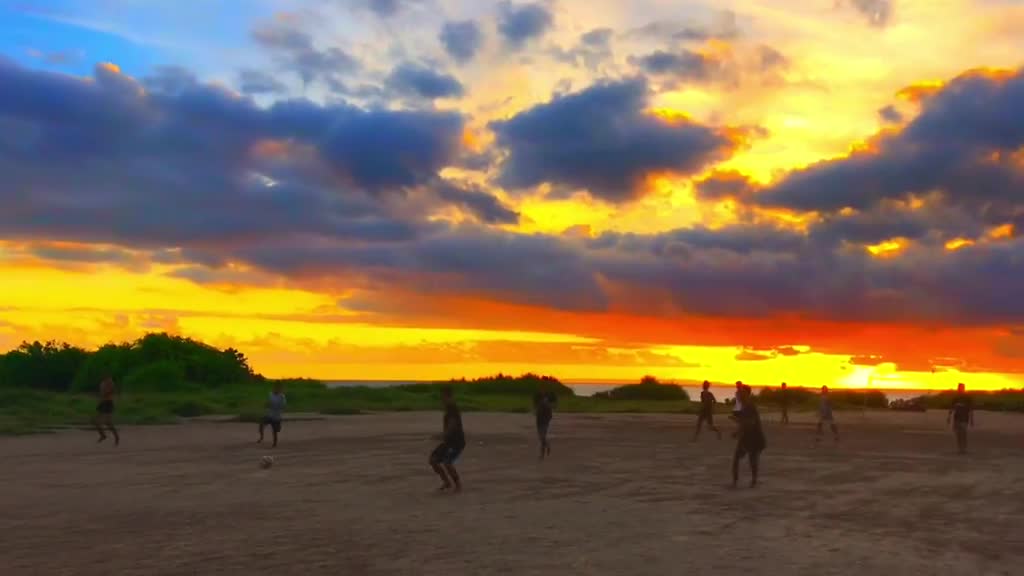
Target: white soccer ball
{"type": "Point", "coordinates": [266, 462]}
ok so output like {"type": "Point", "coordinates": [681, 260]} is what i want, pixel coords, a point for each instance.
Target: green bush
{"type": "Point", "coordinates": [525, 385]}
{"type": "Point", "coordinates": [649, 388]}
{"type": "Point", "coordinates": [997, 401]}
{"type": "Point", "coordinates": [809, 397]}
{"type": "Point", "coordinates": [155, 361]}
{"type": "Point", "coordinates": [163, 375]}
{"type": "Point", "coordinates": [49, 366]}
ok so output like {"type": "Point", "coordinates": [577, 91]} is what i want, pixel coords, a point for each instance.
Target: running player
{"type": "Point", "coordinates": [275, 405]}
{"type": "Point", "coordinates": [105, 411]}
{"type": "Point", "coordinates": [784, 401]}
{"type": "Point", "coordinates": [750, 441]}
{"type": "Point", "coordinates": [707, 411]}
{"type": "Point", "coordinates": [543, 405]}
{"type": "Point", "coordinates": [453, 442]}
{"type": "Point", "coordinates": [962, 413]}
{"type": "Point", "coordinates": [825, 415]}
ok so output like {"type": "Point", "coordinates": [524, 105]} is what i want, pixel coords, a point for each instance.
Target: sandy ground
{"type": "Point", "coordinates": [621, 495]}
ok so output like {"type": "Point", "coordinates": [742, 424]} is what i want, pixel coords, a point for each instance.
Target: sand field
{"type": "Point", "coordinates": [622, 494]}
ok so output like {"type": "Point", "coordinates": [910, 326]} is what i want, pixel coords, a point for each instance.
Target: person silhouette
{"type": "Point", "coordinates": [961, 411]}
{"type": "Point", "coordinates": [784, 402]}
{"type": "Point", "coordinates": [707, 411]}
{"type": "Point", "coordinates": [750, 440]}
{"type": "Point", "coordinates": [825, 415]}
{"type": "Point", "coordinates": [453, 442]}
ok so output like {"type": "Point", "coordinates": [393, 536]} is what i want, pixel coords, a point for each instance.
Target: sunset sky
{"type": "Point", "coordinates": [810, 191]}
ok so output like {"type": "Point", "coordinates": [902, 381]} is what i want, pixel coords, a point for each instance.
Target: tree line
{"type": "Point", "coordinates": [154, 362]}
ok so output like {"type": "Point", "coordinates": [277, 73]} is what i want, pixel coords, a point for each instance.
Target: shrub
{"type": "Point", "coordinates": [649, 388]}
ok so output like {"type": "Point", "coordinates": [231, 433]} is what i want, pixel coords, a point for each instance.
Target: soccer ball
{"type": "Point", "coordinates": [266, 462]}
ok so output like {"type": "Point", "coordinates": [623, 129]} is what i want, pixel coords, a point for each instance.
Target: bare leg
{"type": "Point", "coordinates": [696, 433]}
{"type": "Point", "coordinates": [450, 469]}
{"type": "Point", "coordinates": [445, 482]}
{"type": "Point", "coordinates": [755, 462]}
{"type": "Point", "coordinates": [110, 425]}
{"type": "Point", "coordinates": [99, 428]}
{"type": "Point", "coordinates": [262, 426]}
{"type": "Point", "coordinates": [835, 432]}
{"type": "Point", "coordinates": [817, 435]}
{"type": "Point", "coordinates": [785, 416]}
{"type": "Point", "coordinates": [961, 438]}
{"type": "Point", "coordinates": [274, 430]}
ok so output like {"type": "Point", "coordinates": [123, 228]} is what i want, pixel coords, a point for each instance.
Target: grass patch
{"type": "Point", "coordinates": [33, 411]}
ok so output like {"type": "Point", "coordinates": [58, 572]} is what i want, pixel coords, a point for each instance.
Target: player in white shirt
{"type": "Point", "coordinates": [275, 406]}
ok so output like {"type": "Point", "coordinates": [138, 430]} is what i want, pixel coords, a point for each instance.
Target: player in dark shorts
{"type": "Point", "coordinates": [961, 412]}
{"type": "Point", "coordinates": [105, 411]}
{"type": "Point", "coordinates": [784, 401]}
{"type": "Point", "coordinates": [275, 406]}
{"type": "Point", "coordinates": [750, 441]}
{"type": "Point", "coordinates": [707, 411]}
{"type": "Point", "coordinates": [825, 415]}
{"type": "Point", "coordinates": [453, 442]}
{"type": "Point", "coordinates": [543, 406]}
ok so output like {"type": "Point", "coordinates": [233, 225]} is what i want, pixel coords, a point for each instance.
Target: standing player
{"type": "Point", "coordinates": [275, 405]}
{"type": "Point", "coordinates": [962, 414]}
{"type": "Point", "coordinates": [707, 411]}
{"type": "Point", "coordinates": [750, 441]}
{"type": "Point", "coordinates": [737, 403]}
{"type": "Point", "coordinates": [543, 405]}
{"type": "Point", "coordinates": [825, 415]}
{"type": "Point", "coordinates": [784, 400]}
{"type": "Point", "coordinates": [453, 441]}
{"type": "Point", "coordinates": [105, 411]}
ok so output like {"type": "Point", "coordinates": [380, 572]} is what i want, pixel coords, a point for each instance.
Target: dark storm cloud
{"type": "Point", "coordinates": [538, 270]}
{"type": "Point", "coordinates": [415, 80]}
{"type": "Point", "coordinates": [461, 39]}
{"type": "Point", "coordinates": [601, 141]}
{"type": "Point", "coordinates": [297, 52]}
{"type": "Point", "coordinates": [259, 82]}
{"type": "Point", "coordinates": [486, 207]}
{"type": "Point", "coordinates": [960, 146]}
{"type": "Point", "coordinates": [520, 23]}
{"type": "Point", "coordinates": [725, 184]}
{"type": "Point", "coordinates": [87, 255]}
{"type": "Point", "coordinates": [172, 168]}
{"type": "Point", "coordinates": [205, 177]}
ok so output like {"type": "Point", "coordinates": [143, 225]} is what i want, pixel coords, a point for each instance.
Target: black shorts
{"type": "Point", "coordinates": [268, 421]}
{"type": "Point", "coordinates": [446, 453]}
{"type": "Point", "coordinates": [750, 442]}
{"type": "Point", "coordinates": [105, 407]}
{"type": "Point", "coordinates": [708, 417]}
